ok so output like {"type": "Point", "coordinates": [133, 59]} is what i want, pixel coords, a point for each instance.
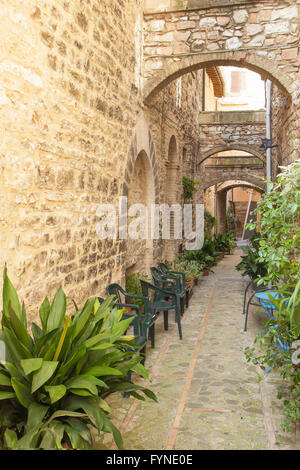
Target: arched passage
{"type": "Point", "coordinates": [232, 200]}
{"type": "Point", "coordinates": [236, 147]}
{"type": "Point", "coordinates": [174, 69]}
{"type": "Point", "coordinates": [243, 178]}
{"type": "Point", "coordinates": [235, 184]}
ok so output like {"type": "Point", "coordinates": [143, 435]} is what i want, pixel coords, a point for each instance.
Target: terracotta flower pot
{"type": "Point", "coordinates": [205, 272]}
{"type": "Point", "coordinates": [190, 283]}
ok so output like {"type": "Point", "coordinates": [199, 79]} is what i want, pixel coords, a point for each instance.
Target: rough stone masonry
{"type": "Point", "coordinates": [90, 87]}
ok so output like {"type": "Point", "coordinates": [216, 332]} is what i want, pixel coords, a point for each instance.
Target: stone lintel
{"type": "Point", "coordinates": [164, 6]}
{"type": "Point", "coordinates": [232, 117]}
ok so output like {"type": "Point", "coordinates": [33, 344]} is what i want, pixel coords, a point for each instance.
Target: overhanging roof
{"type": "Point", "coordinates": [215, 75]}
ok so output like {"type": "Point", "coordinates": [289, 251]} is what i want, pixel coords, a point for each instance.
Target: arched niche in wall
{"type": "Point", "coordinates": [141, 189]}
{"type": "Point", "coordinates": [172, 193]}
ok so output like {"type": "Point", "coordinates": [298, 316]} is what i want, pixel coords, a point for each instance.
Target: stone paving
{"type": "Point", "coordinates": [210, 398]}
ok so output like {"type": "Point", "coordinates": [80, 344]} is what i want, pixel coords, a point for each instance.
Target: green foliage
{"type": "Point", "coordinates": [209, 221]}
{"type": "Point", "coordinates": [193, 262]}
{"type": "Point", "coordinates": [278, 250]}
{"type": "Point", "coordinates": [230, 221]}
{"type": "Point", "coordinates": [225, 242]}
{"type": "Point", "coordinates": [251, 264]}
{"type": "Point", "coordinates": [189, 187]}
{"type": "Point", "coordinates": [133, 286]}
{"type": "Point", "coordinates": [191, 269]}
{"type": "Point", "coordinates": [279, 226]}
{"type": "Point", "coordinates": [54, 381]}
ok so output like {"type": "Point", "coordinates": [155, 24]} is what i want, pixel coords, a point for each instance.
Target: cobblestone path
{"type": "Point", "coordinates": [210, 398]}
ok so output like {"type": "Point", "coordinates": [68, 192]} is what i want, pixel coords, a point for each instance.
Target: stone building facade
{"type": "Point", "coordinates": [94, 105]}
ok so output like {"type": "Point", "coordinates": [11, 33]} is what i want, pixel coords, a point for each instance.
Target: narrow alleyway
{"type": "Point", "coordinates": [210, 398]}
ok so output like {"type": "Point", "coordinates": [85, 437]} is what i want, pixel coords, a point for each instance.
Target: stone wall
{"type": "Point", "coordinates": [73, 127]}
{"type": "Point", "coordinates": [229, 130]}
{"type": "Point", "coordinates": [68, 109]}
{"type": "Point", "coordinates": [261, 36]}
{"type": "Point", "coordinates": [285, 131]}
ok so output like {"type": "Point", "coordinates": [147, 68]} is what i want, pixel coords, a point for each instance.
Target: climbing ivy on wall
{"type": "Point", "coordinates": [189, 187]}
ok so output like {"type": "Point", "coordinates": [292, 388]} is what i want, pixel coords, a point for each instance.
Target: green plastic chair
{"type": "Point", "coordinates": [171, 283]}
{"type": "Point", "coordinates": [185, 287]}
{"type": "Point", "coordinates": [140, 338]}
{"type": "Point", "coordinates": [146, 320]}
{"type": "Point", "coordinates": [163, 301]}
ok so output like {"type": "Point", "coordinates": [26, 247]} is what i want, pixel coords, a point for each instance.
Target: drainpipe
{"type": "Point", "coordinates": [268, 136]}
{"type": "Point", "coordinates": [268, 132]}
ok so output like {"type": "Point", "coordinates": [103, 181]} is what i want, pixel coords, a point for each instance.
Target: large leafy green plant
{"type": "Point", "coordinates": [54, 382]}
{"type": "Point", "coordinates": [224, 242]}
{"type": "Point", "coordinates": [284, 329]}
{"type": "Point", "coordinates": [279, 226]}
{"type": "Point", "coordinates": [279, 250]}
{"type": "Point", "coordinates": [251, 265]}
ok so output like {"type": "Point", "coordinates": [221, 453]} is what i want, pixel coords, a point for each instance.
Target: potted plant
{"type": "Point", "coordinates": [55, 380]}
{"type": "Point", "coordinates": [133, 286]}
{"type": "Point", "coordinates": [251, 265]}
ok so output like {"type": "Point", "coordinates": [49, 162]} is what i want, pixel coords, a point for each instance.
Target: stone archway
{"type": "Point", "coordinates": [238, 176]}
{"type": "Point", "coordinates": [235, 184]}
{"type": "Point", "coordinates": [218, 197]}
{"type": "Point", "coordinates": [250, 60]}
{"type": "Point", "coordinates": [225, 148]}
{"type": "Point", "coordinates": [261, 36]}
{"type": "Point", "coordinates": [142, 141]}
{"type": "Point", "coordinates": [242, 34]}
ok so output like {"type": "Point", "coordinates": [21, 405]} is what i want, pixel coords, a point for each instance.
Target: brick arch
{"type": "Point", "coordinates": [245, 178]}
{"type": "Point", "coordinates": [253, 150]}
{"type": "Point", "coordinates": [142, 142]}
{"type": "Point", "coordinates": [174, 69]}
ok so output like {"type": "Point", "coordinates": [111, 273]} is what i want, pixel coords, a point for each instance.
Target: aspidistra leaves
{"type": "Point", "coordinates": [31, 365]}
{"type": "Point", "coordinates": [11, 299]}
{"type": "Point", "coordinates": [42, 375]}
{"type": "Point", "coordinates": [23, 392]}
{"type": "Point", "coordinates": [72, 362]}
{"type": "Point", "coordinates": [57, 311]}
{"type": "Point", "coordinates": [44, 313]}
{"type": "Point", "coordinates": [56, 392]}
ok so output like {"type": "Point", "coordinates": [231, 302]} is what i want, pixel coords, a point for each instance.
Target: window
{"type": "Point", "coordinates": [238, 81]}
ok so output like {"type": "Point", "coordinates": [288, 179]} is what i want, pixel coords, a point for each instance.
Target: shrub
{"type": "Point", "coordinates": [278, 249]}
{"type": "Point", "coordinates": [54, 382]}
{"type": "Point", "coordinates": [133, 286]}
